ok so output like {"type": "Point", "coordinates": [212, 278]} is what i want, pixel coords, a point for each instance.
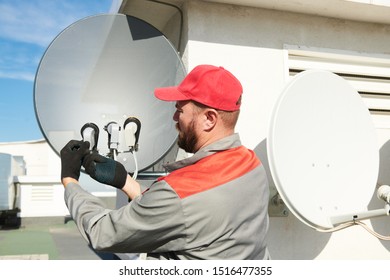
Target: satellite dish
{"type": "Point", "coordinates": [102, 71]}
{"type": "Point", "coordinates": [322, 149]}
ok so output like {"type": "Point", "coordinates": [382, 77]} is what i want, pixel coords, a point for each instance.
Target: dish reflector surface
{"type": "Point", "coordinates": [104, 69]}
{"type": "Point", "coordinates": [322, 148]}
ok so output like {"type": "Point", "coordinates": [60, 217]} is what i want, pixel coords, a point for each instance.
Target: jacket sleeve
{"type": "Point", "coordinates": [153, 222]}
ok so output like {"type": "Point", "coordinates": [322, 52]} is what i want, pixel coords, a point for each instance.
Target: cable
{"type": "Point", "coordinates": [377, 235]}
{"type": "Point", "coordinates": [135, 174]}
{"type": "Point", "coordinates": [114, 154]}
{"type": "Point", "coordinates": [339, 227]}
{"type": "Point", "coordinates": [354, 223]}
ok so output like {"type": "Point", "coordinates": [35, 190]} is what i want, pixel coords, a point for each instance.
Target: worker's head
{"type": "Point", "coordinates": [207, 105]}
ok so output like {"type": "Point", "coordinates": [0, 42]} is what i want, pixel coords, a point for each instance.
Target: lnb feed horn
{"type": "Point", "coordinates": [90, 132]}
{"type": "Point", "coordinates": [132, 128]}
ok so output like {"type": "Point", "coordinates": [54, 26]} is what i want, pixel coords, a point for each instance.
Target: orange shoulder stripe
{"type": "Point", "coordinates": [212, 171]}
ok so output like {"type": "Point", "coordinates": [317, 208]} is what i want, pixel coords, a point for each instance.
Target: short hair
{"type": "Point", "coordinates": [229, 118]}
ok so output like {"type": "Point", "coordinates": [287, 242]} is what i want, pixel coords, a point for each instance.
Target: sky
{"type": "Point", "coordinates": [27, 27]}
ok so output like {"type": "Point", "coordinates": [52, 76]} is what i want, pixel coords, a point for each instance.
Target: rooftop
{"type": "Point", "coordinates": [60, 241]}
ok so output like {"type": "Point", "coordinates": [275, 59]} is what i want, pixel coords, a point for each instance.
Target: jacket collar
{"type": "Point", "coordinates": [229, 142]}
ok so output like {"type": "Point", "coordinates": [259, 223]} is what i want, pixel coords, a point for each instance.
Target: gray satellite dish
{"type": "Point", "coordinates": [103, 70]}
{"type": "Point", "coordinates": [322, 150]}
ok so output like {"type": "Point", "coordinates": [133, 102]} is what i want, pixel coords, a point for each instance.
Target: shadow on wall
{"type": "Point", "coordinates": [382, 224]}
{"type": "Point", "coordinates": [288, 237]}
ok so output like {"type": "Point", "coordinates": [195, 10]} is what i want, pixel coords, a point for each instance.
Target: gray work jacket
{"type": "Point", "coordinates": [212, 205]}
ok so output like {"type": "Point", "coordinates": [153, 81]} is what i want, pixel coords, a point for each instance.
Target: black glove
{"type": "Point", "coordinates": [105, 170]}
{"type": "Point", "coordinates": [71, 158]}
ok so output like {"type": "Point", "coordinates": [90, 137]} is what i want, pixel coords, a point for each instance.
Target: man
{"type": "Point", "coordinates": [212, 205]}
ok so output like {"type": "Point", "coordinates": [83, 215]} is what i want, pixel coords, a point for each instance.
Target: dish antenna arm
{"type": "Point", "coordinates": [383, 192]}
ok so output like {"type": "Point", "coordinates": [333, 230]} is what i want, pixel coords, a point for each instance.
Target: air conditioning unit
{"type": "Point", "coordinates": [10, 166]}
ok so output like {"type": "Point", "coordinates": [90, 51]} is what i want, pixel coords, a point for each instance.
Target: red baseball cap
{"type": "Point", "coordinates": [209, 85]}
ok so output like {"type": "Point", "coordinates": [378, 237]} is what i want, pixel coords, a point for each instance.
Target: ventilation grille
{"type": "Point", "coordinates": [370, 76]}
{"type": "Point", "coordinates": [42, 193]}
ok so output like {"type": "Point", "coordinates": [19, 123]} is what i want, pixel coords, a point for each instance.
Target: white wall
{"type": "Point", "coordinates": [40, 159]}
{"type": "Point", "coordinates": [41, 193]}
{"type": "Point", "coordinates": [250, 43]}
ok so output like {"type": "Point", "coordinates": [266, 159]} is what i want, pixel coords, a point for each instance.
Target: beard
{"type": "Point", "coordinates": [187, 138]}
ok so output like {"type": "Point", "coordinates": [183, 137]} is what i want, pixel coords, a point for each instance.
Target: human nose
{"type": "Point", "coordinates": [176, 116]}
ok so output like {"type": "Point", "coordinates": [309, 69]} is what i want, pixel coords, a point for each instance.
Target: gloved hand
{"type": "Point", "coordinates": [105, 170]}
{"type": "Point", "coordinates": [71, 158]}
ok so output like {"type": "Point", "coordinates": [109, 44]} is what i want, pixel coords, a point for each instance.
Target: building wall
{"type": "Point", "coordinates": [39, 158]}
{"type": "Point", "coordinates": [41, 193]}
{"type": "Point", "coordinates": [251, 43]}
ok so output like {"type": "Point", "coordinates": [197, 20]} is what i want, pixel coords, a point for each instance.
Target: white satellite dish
{"type": "Point", "coordinates": [103, 70]}
{"type": "Point", "coordinates": [322, 150]}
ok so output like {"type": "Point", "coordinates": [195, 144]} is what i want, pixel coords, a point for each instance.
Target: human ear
{"type": "Point", "coordinates": [210, 120]}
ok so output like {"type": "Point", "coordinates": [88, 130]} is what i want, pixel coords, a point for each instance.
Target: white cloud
{"type": "Point", "coordinates": [39, 21]}
{"type": "Point", "coordinates": [18, 75]}
{"type": "Point", "coordinates": [33, 25]}
{"type": "Point", "coordinates": [35, 22]}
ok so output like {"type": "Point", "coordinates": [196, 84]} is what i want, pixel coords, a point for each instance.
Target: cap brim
{"type": "Point", "coordinates": [169, 94]}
